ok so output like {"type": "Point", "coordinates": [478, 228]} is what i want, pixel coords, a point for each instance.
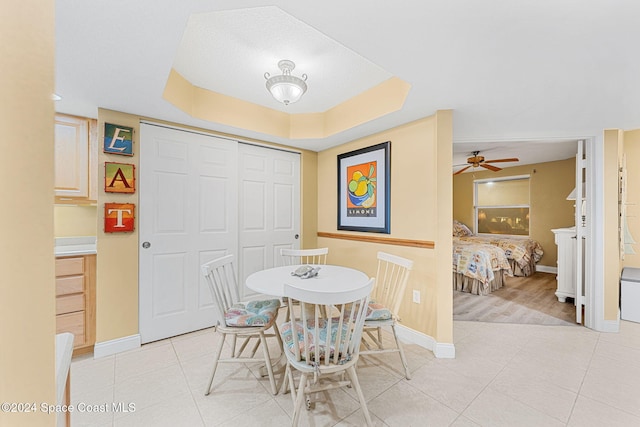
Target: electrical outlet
{"type": "Point", "coordinates": [416, 297]}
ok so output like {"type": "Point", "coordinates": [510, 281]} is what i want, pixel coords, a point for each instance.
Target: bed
{"type": "Point", "coordinates": [479, 268]}
{"type": "Point", "coordinates": [522, 253]}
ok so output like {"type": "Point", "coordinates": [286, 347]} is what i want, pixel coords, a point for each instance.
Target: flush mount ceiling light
{"type": "Point", "coordinates": [285, 87]}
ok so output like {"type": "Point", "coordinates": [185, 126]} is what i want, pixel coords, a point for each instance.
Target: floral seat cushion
{"type": "Point", "coordinates": [252, 313]}
{"type": "Point", "coordinates": [377, 311]}
{"type": "Point", "coordinates": [306, 335]}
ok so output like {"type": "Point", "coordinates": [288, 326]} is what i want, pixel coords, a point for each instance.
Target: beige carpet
{"type": "Point", "coordinates": [528, 300]}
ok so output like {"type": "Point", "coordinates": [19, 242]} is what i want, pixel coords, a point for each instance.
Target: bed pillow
{"type": "Point", "coordinates": [460, 230]}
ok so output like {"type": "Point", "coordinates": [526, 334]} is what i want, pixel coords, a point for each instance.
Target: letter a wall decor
{"type": "Point", "coordinates": [119, 217]}
{"type": "Point", "coordinates": [119, 178]}
{"type": "Point", "coordinates": [118, 139]}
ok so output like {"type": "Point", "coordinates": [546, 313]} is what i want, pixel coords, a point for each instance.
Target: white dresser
{"type": "Point", "coordinates": [565, 239]}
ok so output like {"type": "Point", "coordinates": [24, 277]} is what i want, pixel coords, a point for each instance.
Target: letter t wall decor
{"type": "Point", "coordinates": [119, 217]}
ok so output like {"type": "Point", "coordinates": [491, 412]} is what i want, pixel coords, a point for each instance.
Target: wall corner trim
{"type": "Point", "coordinates": [611, 326]}
{"type": "Point", "coordinates": [440, 350]}
{"type": "Point", "coordinates": [107, 348]}
{"type": "Point", "coordinates": [445, 351]}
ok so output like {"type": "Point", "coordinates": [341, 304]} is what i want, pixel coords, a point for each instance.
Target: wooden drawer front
{"type": "Point", "coordinates": [69, 285]}
{"type": "Point", "coordinates": [69, 303]}
{"type": "Point", "coordinates": [74, 323]}
{"type": "Point", "coordinates": [69, 266]}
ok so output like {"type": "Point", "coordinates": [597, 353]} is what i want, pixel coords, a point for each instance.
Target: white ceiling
{"type": "Point", "coordinates": [512, 71]}
{"type": "Point", "coordinates": [228, 52]}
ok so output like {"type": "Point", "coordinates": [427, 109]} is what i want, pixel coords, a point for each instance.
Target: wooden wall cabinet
{"type": "Point", "coordinates": [76, 160]}
{"type": "Point", "coordinates": [75, 300]}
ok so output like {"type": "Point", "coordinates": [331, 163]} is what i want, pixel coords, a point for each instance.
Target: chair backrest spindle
{"type": "Point", "coordinates": [221, 280]}
{"type": "Point", "coordinates": [304, 256]}
{"type": "Point", "coordinates": [391, 280]}
{"type": "Point", "coordinates": [329, 328]}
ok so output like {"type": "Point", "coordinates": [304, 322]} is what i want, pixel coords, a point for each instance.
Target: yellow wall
{"type": "Point", "coordinates": [117, 261]}
{"type": "Point", "coordinates": [444, 210]}
{"type": "Point", "coordinates": [72, 221]}
{"type": "Point", "coordinates": [27, 284]}
{"type": "Point", "coordinates": [550, 185]}
{"type": "Point", "coordinates": [613, 147]}
{"type": "Point", "coordinates": [632, 153]}
{"type": "Point", "coordinates": [420, 197]}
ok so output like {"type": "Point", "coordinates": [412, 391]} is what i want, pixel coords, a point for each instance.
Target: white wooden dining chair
{"type": "Point", "coordinates": [237, 319]}
{"type": "Point", "coordinates": [391, 281]}
{"type": "Point", "coordinates": [304, 256]}
{"type": "Point", "coordinates": [322, 348]}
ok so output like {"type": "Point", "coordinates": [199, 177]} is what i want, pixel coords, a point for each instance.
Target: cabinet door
{"type": "Point", "coordinates": [75, 299]}
{"type": "Point", "coordinates": [71, 156]}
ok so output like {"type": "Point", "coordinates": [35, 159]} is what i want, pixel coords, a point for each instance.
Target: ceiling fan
{"type": "Point", "coordinates": [477, 160]}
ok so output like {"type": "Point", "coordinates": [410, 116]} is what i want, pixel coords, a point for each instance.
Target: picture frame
{"type": "Point", "coordinates": [119, 178]}
{"type": "Point", "coordinates": [119, 217]}
{"type": "Point", "coordinates": [364, 184]}
{"type": "Point", "coordinates": [118, 140]}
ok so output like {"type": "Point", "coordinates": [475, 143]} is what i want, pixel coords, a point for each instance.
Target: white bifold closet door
{"type": "Point", "coordinates": [191, 200]}
{"type": "Point", "coordinates": [269, 208]}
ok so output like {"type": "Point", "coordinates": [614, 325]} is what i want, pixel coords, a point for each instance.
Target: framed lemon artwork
{"type": "Point", "coordinates": [364, 180]}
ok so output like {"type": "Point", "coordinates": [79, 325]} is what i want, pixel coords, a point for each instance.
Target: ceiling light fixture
{"type": "Point", "coordinates": [285, 87]}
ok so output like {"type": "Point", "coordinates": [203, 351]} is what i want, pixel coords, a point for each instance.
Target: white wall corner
{"type": "Point", "coordinates": [107, 348]}
{"type": "Point", "coordinates": [609, 325]}
{"type": "Point", "coordinates": [445, 351]}
{"type": "Point", "coordinates": [411, 336]}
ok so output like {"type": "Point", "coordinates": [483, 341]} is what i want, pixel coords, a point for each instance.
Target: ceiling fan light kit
{"type": "Point", "coordinates": [286, 88]}
{"type": "Point", "coordinates": [479, 161]}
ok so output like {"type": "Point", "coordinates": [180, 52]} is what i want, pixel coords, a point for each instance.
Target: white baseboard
{"type": "Point", "coordinates": [440, 350]}
{"type": "Point", "coordinates": [610, 326]}
{"type": "Point", "coordinates": [547, 269]}
{"type": "Point", "coordinates": [107, 348]}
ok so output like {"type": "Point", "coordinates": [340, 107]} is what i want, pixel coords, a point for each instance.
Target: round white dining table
{"type": "Point", "coordinates": [330, 278]}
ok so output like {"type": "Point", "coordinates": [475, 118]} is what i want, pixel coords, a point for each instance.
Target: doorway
{"type": "Point", "coordinates": [546, 276]}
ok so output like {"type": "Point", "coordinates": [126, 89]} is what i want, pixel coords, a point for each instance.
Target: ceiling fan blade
{"type": "Point", "coordinates": [490, 167]}
{"type": "Point", "coordinates": [513, 159]}
{"type": "Point", "coordinates": [462, 170]}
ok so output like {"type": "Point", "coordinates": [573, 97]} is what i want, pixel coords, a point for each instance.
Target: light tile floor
{"type": "Point", "coordinates": [503, 375]}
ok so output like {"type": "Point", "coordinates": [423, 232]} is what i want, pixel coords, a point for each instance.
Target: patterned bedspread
{"type": "Point", "coordinates": [479, 261]}
{"type": "Point", "coordinates": [523, 251]}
